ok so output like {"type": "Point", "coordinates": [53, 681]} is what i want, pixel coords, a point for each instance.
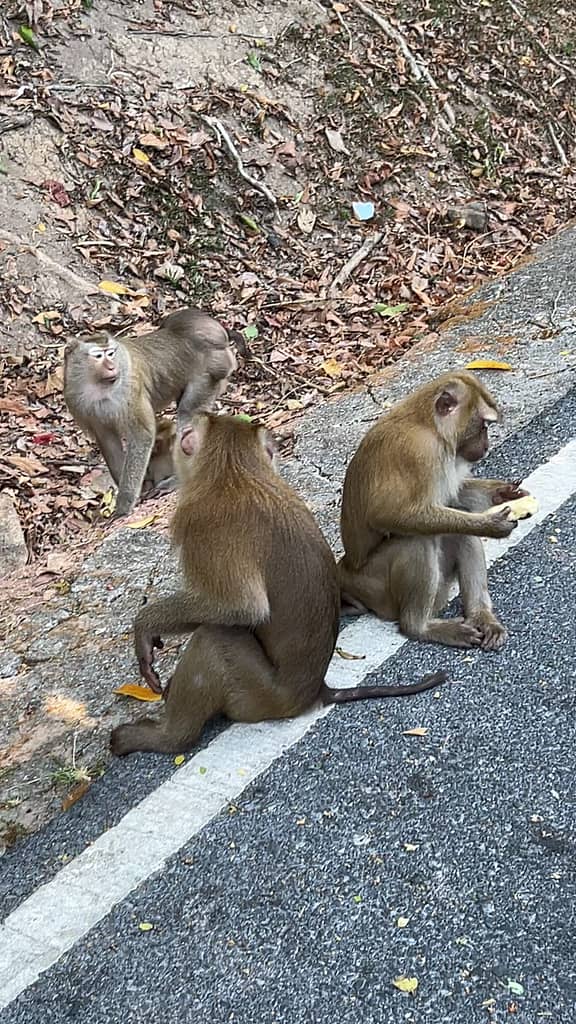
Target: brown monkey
{"type": "Point", "coordinates": [412, 518]}
{"type": "Point", "coordinates": [160, 476]}
{"type": "Point", "coordinates": [113, 388]}
{"type": "Point", "coordinates": [261, 593]}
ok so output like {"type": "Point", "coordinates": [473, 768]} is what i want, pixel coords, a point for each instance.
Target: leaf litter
{"type": "Point", "coordinates": [453, 127]}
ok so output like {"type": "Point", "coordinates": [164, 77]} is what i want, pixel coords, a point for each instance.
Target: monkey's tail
{"type": "Point", "coordinates": [331, 696]}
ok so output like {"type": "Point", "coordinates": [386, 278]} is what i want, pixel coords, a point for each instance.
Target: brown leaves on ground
{"type": "Point", "coordinates": [162, 218]}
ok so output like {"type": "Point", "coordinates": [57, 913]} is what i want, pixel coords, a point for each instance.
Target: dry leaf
{"type": "Point", "coordinates": [335, 141]}
{"type": "Point", "coordinates": [179, 759]}
{"type": "Point", "coordinates": [306, 220]}
{"type": "Point", "coordinates": [418, 731]}
{"type": "Point", "coordinates": [410, 847]}
{"type": "Point", "coordinates": [332, 368]}
{"type": "Point", "coordinates": [76, 794]}
{"type": "Point", "coordinates": [112, 288]}
{"type": "Point", "coordinates": [138, 692]}
{"type": "Point", "coordinates": [145, 926]}
{"type": "Point", "coordinates": [349, 657]}
{"type": "Point", "coordinates": [27, 464]}
{"type": "Point", "coordinates": [153, 141]}
{"type": "Point", "coordinates": [404, 984]}
{"type": "Point", "coordinates": [46, 314]}
{"type": "Point", "coordinates": [139, 524]}
{"type": "Point", "coordinates": [487, 364]}
{"type": "Point", "coordinates": [402, 922]}
{"type": "Point", "coordinates": [520, 508]}
{"type": "Point", "coordinates": [140, 156]}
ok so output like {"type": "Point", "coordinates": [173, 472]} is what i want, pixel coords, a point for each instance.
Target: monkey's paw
{"type": "Point", "coordinates": [120, 741]}
{"type": "Point", "coordinates": [508, 492]}
{"type": "Point", "coordinates": [500, 523]}
{"type": "Point", "coordinates": [494, 634]}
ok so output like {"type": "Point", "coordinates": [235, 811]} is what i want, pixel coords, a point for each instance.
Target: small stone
{"type": "Point", "coordinates": [13, 550]}
{"type": "Point", "coordinates": [9, 664]}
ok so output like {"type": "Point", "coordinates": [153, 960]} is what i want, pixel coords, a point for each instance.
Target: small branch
{"type": "Point", "coordinates": [223, 136]}
{"type": "Point", "coordinates": [365, 249]}
{"type": "Point", "coordinates": [530, 28]}
{"type": "Point", "coordinates": [557, 146]}
{"type": "Point", "coordinates": [417, 66]}
{"type": "Point", "coordinates": [86, 287]}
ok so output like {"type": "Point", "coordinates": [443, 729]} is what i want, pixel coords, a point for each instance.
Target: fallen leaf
{"type": "Point", "coordinates": [27, 464]}
{"type": "Point", "coordinates": [250, 223]}
{"type": "Point", "coordinates": [179, 759]}
{"type": "Point", "coordinates": [332, 368]}
{"type": "Point", "coordinates": [76, 794]}
{"type": "Point", "coordinates": [487, 364]}
{"type": "Point", "coordinates": [520, 508]}
{"type": "Point", "coordinates": [250, 332]}
{"type": "Point", "coordinates": [404, 984]}
{"type": "Point", "coordinates": [153, 141]}
{"type": "Point", "coordinates": [145, 926]}
{"type": "Point", "coordinates": [45, 315]}
{"type": "Point", "coordinates": [139, 524]}
{"type": "Point", "coordinates": [108, 503]}
{"type": "Point", "coordinates": [112, 288]}
{"type": "Point", "coordinates": [244, 417]}
{"type": "Point", "coordinates": [43, 438]}
{"type": "Point", "coordinates": [138, 692]}
{"type": "Point", "coordinates": [418, 731]}
{"type": "Point", "coordinates": [140, 156]}
{"type": "Point", "coordinates": [410, 847]}
{"type": "Point", "coordinates": [402, 922]}
{"type": "Point", "coordinates": [385, 310]}
{"type": "Point", "coordinates": [357, 899]}
{"type": "Point", "coordinates": [306, 219]}
{"type": "Point", "coordinates": [15, 405]}
{"type": "Point", "coordinates": [335, 141]}
{"type": "Point", "coordinates": [515, 987]}
{"type": "Point", "coordinates": [349, 657]}
{"type": "Point", "coordinates": [27, 36]}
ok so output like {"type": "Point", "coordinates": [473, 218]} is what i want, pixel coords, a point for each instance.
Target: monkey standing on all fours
{"type": "Point", "coordinates": [261, 595]}
{"type": "Point", "coordinates": [412, 516]}
{"type": "Point", "coordinates": [113, 388]}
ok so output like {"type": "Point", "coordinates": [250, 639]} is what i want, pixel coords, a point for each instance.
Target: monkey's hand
{"type": "Point", "coordinates": [145, 646]}
{"type": "Point", "coordinates": [508, 492]}
{"type": "Point", "coordinates": [499, 524]}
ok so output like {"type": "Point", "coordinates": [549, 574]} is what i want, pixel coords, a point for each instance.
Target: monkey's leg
{"type": "Point", "coordinates": [419, 580]}
{"type": "Point", "coordinates": [110, 445]}
{"type": "Point", "coordinates": [473, 579]}
{"type": "Point", "coordinates": [141, 439]}
{"type": "Point", "coordinates": [222, 670]}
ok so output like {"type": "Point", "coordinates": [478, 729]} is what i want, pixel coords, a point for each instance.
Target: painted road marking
{"type": "Point", "coordinates": [58, 914]}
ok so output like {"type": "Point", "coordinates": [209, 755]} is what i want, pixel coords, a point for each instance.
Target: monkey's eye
{"type": "Point", "coordinates": [97, 355]}
{"type": "Point", "coordinates": [111, 353]}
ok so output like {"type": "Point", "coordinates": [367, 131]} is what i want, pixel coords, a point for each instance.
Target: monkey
{"type": "Point", "coordinates": [160, 478]}
{"type": "Point", "coordinates": [114, 387]}
{"type": "Point", "coordinates": [261, 595]}
{"type": "Point", "coordinates": [411, 516]}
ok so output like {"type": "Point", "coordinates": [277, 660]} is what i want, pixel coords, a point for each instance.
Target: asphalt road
{"type": "Point", "coordinates": [364, 854]}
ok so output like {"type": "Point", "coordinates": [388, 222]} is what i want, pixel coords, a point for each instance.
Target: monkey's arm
{"type": "Point", "coordinates": [140, 440]}
{"type": "Point", "coordinates": [431, 520]}
{"type": "Point", "coordinates": [182, 612]}
{"type": "Point", "coordinates": [479, 495]}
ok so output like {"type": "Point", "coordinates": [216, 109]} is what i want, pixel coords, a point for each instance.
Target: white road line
{"type": "Point", "coordinates": [58, 914]}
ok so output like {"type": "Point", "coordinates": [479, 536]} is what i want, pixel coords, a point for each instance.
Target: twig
{"type": "Point", "coordinates": [365, 249]}
{"type": "Point", "coordinates": [223, 136]}
{"type": "Point", "coordinates": [86, 287]}
{"type": "Point", "coordinates": [557, 146]}
{"type": "Point", "coordinates": [417, 66]}
{"type": "Point", "coordinates": [530, 28]}
{"type": "Point", "coordinates": [345, 27]}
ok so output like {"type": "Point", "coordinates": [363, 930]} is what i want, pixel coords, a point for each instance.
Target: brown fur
{"type": "Point", "coordinates": [410, 516]}
{"type": "Point", "coordinates": [261, 594]}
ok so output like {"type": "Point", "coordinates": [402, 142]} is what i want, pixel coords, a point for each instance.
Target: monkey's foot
{"type": "Point", "coordinates": [163, 487]}
{"type": "Point", "coordinates": [494, 634]}
{"type": "Point", "coordinates": [452, 632]}
{"type": "Point", "coordinates": [120, 741]}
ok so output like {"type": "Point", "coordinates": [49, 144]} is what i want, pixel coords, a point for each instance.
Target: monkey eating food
{"type": "Point", "coordinates": [113, 388]}
{"type": "Point", "coordinates": [260, 593]}
{"type": "Point", "coordinates": [412, 516]}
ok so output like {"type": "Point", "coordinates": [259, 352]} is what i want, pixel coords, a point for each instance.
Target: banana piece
{"type": "Point", "coordinates": [520, 508]}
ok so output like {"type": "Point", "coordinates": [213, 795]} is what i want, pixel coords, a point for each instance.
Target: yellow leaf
{"type": "Point", "coordinates": [140, 156]}
{"type": "Point", "coordinates": [520, 508]}
{"type": "Point", "coordinates": [179, 759]}
{"type": "Point", "coordinates": [349, 657]}
{"type": "Point", "coordinates": [138, 692]}
{"type": "Point", "coordinates": [488, 364]}
{"type": "Point", "coordinates": [46, 314]}
{"type": "Point", "coordinates": [139, 524]}
{"type": "Point", "coordinates": [418, 731]}
{"type": "Point", "coordinates": [112, 288]}
{"type": "Point", "coordinates": [410, 847]}
{"type": "Point", "coordinates": [404, 984]}
{"type": "Point", "coordinates": [332, 367]}
{"type": "Point", "coordinates": [41, 227]}
{"type": "Point", "coordinates": [108, 503]}
{"type": "Point", "coordinates": [402, 922]}
{"type": "Point", "coordinates": [145, 926]}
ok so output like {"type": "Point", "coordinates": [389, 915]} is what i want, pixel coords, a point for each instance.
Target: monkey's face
{"type": "Point", "coordinates": [103, 363]}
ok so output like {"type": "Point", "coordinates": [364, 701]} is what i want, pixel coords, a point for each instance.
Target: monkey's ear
{"type": "Point", "coordinates": [446, 402]}
{"type": "Point", "coordinates": [268, 443]}
{"type": "Point", "coordinates": [193, 435]}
